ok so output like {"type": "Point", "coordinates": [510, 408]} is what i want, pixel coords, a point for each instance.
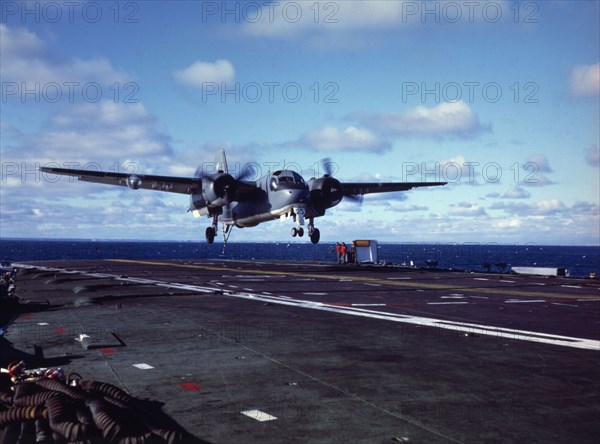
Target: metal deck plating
{"type": "Point", "coordinates": [282, 352]}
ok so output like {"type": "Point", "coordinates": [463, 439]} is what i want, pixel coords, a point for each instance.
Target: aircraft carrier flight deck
{"type": "Point", "coordinates": [303, 352]}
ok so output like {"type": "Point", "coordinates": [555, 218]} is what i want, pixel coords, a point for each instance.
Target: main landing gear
{"type": "Point", "coordinates": [313, 233]}
{"type": "Point", "coordinates": [211, 232]}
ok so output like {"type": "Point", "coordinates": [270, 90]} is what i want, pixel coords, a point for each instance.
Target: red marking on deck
{"type": "Point", "coordinates": [60, 330]}
{"type": "Point", "coordinates": [108, 351]}
{"type": "Point", "coordinates": [190, 386]}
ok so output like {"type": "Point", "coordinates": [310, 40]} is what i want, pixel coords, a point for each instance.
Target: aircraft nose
{"type": "Point", "coordinates": [298, 195]}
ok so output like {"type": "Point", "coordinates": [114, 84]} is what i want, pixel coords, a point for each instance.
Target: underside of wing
{"type": "Point", "coordinates": [360, 188]}
{"type": "Point", "coordinates": [182, 185]}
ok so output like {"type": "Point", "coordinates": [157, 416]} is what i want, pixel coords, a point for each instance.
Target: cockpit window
{"type": "Point", "coordinates": [285, 177]}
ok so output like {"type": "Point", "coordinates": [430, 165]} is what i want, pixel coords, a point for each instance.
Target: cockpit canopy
{"type": "Point", "coordinates": [286, 179]}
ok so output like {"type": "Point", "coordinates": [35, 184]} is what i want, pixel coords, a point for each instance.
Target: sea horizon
{"type": "Point", "coordinates": [291, 241]}
{"type": "Point", "coordinates": [581, 260]}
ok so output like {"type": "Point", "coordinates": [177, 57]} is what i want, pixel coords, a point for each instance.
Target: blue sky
{"type": "Point", "coordinates": [499, 98]}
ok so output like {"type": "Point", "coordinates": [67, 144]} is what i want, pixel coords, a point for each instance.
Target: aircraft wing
{"type": "Point", "coordinates": [360, 188]}
{"type": "Point", "coordinates": [182, 185]}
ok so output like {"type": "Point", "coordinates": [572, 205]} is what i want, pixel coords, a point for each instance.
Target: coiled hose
{"type": "Point", "coordinates": [50, 411]}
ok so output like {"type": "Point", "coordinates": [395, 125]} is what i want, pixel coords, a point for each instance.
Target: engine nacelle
{"type": "Point", "coordinates": [134, 182]}
{"type": "Point", "coordinates": [217, 190]}
{"type": "Point", "coordinates": [325, 192]}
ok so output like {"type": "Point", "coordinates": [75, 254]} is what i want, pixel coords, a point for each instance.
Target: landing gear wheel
{"type": "Point", "coordinates": [210, 235]}
{"type": "Point", "coordinates": [300, 232]}
{"type": "Point", "coordinates": [294, 232]}
{"type": "Point", "coordinates": [315, 236]}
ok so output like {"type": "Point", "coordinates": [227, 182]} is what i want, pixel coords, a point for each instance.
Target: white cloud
{"type": "Point", "coordinates": [454, 118]}
{"type": "Point", "coordinates": [351, 138]}
{"type": "Point", "coordinates": [466, 209]}
{"type": "Point", "coordinates": [406, 208]}
{"type": "Point", "coordinates": [581, 207]}
{"type": "Point", "coordinates": [100, 132]}
{"type": "Point", "coordinates": [539, 162]}
{"type": "Point", "coordinates": [19, 42]}
{"type": "Point", "coordinates": [290, 18]}
{"type": "Point", "coordinates": [199, 72]}
{"type": "Point", "coordinates": [585, 80]}
{"type": "Point", "coordinates": [536, 167]}
{"type": "Point", "coordinates": [592, 155]}
{"type": "Point", "coordinates": [25, 58]}
{"type": "Point", "coordinates": [510, 223]}
{"type": "Point", "coordinates": [551, 206]}
{"type": "Point", "coordinates": [534, 179]}
{"type": "Point", "coordinates": [548, 207]}
{"type": "Point", "coordinates": [516, 193]}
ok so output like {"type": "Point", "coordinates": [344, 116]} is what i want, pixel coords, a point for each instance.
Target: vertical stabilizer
{"type": "Point", "coordinates": [222, 162]}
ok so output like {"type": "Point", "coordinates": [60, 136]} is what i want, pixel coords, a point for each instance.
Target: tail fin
{"type": "Point", "coordinates": [222, 162]}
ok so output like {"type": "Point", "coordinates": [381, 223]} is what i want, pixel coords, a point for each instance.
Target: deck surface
{"type": "Point", "coordinates": [302, 352]}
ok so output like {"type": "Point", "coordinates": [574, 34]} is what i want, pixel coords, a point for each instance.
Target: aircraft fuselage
{"type": "Point", "coordinates": [281, 194]}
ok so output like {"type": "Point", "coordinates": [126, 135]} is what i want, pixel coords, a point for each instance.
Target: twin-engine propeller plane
{"type": "Point", "coordinates": [235, 201]}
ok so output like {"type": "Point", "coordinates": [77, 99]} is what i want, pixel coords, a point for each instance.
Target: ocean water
{"type": "Point", "coordinates": [467, 256]}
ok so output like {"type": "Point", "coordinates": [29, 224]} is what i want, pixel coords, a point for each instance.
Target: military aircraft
{"type": "Point", "coordinates": [236, 201]}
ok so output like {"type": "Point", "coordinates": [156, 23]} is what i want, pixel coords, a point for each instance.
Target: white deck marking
{"type": "Point", "coordinates": [368, 305]}
{"type": "Point", "coordinates": [258, 415]}
{"type": "Point", "coordinates": [480, 279]}
{"type": "Point", "coordinates": [143, 366]}
{"type": "Point", "coordinates": [446, 303]}
{"type": "Point", "coordinates": [314, 294]}
{"type": "Point", "coordinates": [372, 285]}
{"type": "Point", "coordinates": [566, 305]}
{"type": "Point", "coordinates": [571, 286]}
{"type": "Point", "coordinates": [522, 301]}
{"type": "Point", "coordinates": [508, 282]}
{"type": "Point", "coordinates": [399, 279]}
